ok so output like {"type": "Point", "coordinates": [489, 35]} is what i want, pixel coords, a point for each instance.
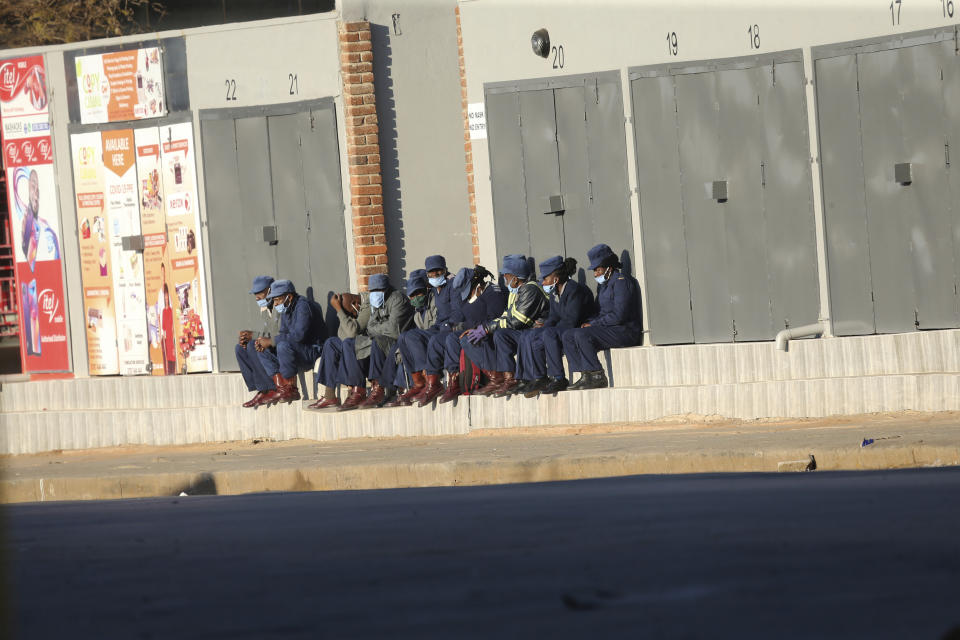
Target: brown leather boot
{"type": "Point", "coordinates": [432, 390]}
{"type": "Point", "coordinates": [255, 400]}
{"type": "Point", "coordinates": [495, 379]}
{"type": "Point", "coordinates": [375, 397]}
{"type": "Point", "coordinates": [357, 395]}
{"type": "Point", "coordinates": [286, 390]}
{"type": "Point", "coordinates": [328, 400]}
{"type": "Point", "coordinates": [509, 384]}
{"type": "Point", "coordinates": [419, 384]}
{"type": "Point", "coordinates": [271, 396]}
{"type": "Point", "coordinates": [453, 388]}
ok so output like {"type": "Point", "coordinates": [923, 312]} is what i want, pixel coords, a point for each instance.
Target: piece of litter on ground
{"type": "Point", "coordinates": [866, 442]}
{"type": "Point", "coordinates": [184, 493]}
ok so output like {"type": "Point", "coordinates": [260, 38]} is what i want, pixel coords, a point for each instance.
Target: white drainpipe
{"type": "Point", "coordinates": [806, 331]}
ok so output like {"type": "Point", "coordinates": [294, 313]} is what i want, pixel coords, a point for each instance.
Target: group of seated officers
{"type": "Point", "coordinates": [444, 334]}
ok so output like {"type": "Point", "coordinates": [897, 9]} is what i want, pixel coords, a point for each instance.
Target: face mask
{"type": "Point", "coordinates": [280, 307]}
{"type": "Point", "coordinates": [262, 303]}
{"type": "Point", "coordinates": [376, 299]}
{"type": "Point", "coordinates": [514, 289]}
{"type": "Point", "coordinates": [601, 278]}
{"type": "Point", "coordinates": [437, 282]}
{"type": "Point", "coordinates": [548, 288]}
{"type": "Point", "coordinates": [418, 301]}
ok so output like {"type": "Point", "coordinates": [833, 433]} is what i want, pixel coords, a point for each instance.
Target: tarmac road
{"type": "Point", "coordinates": [815, 555]}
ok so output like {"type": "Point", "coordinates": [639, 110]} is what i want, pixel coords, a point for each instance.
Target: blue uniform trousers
{"type": "Point", "coordinates": [330, 362]}
{"type": "Point", "coordinates": [506, 342]}
{"type": "Point", "coordinates": [541, 353]}
{"type": "Point", "coordinates": [289, 358]}
{"type": "Point", "coordinates": [384, 368]}
{"type": "Point", "coordinates": [251, 369]}
{"type": "Point", "coordinates": [352, 371]}
{"type": "Point", "coordinates": [482, 354]}
{"type": "Point", "coordinates": [413, 347]}
{"type": "Point", "coordinates": [581, 345]}
{"type": "Point", "coordinates": [443, 352]}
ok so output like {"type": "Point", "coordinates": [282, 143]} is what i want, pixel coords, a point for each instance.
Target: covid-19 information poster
{"type": "Point", "coordinates": [34, 215]}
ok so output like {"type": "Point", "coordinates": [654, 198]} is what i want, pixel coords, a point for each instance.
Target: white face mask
{"type": "Point", "coordinates": [603, 277]}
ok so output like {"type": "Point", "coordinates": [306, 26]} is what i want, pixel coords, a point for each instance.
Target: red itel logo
{"type": "Point", "coordinates": [28, 150]}
{"type": "Point", "coordinates": [12, 152]}
{"type": "Point", "coordinates": [44, 148]}
{"type": "Point", "coordinates": [33, 82]}
{"type": "Point", "coordinates": [48, 303]}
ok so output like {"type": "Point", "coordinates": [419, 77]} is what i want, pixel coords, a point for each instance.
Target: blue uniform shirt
{"type": "Point", "coordinates": [302, 323]}
{"type": "Point", "coordinates": [619, 302]}
{"type": "Point", "coordinates": [572, 308]}
{"type": "Point", "coordinates": [488, 306]}
{"type": "Point", "coordinates": [444, 298]}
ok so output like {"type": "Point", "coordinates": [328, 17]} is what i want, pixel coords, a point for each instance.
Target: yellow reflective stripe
{"type": "Point", "coordinates": [517, 314]}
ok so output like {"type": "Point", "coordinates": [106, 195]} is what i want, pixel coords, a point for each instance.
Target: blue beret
{"type": "Point", "coordinates": [377, 282]}
{"type": "Point", "coordinates": [416, 280]}
{"type": "Point", "coordinates": [516, 264]}
{"type": "Point", "coordinates": [598, 254]}
{"type": "Point", "coordinates": [550, 265]}
{"type": "Point", "coordinates": [261, 283]}
{"type": "Point", "coordinates": [461, 282]}
{"type": "Point", "coordinates": [435, 262]}
{"type": "Point", "coordinates": [280, 288]}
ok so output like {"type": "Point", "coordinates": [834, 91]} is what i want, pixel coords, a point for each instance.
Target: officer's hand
{"type": "Point", "coordinates": [585, 325]}
{"type": "Point", "coordinates": [465, 332]}
{"type": "Point", "coordinates": [245, 337]}
{"type": "Point", "coordinates": [263, 343]}
{"type": "Point", "coordinates": [538, 324]}
{"type": "Point", "coordinates": [335, 302]}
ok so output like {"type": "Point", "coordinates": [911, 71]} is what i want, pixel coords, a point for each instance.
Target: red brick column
{"type": "Point", "coordinates": [363, 150]}
{"type": "Point", "coordinates": [468, 146]}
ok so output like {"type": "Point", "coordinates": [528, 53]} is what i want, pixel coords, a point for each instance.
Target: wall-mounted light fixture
{"type": "Point", "coordinates": [540, 41]}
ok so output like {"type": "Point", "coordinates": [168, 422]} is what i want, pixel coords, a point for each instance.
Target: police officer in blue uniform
{"type": "Point", "coordinates": [526, 304]}
{"type": "Point", "coordinates": [415, 343]}
{"type": "Point", "coordinates": [541, 349]}
{"type": "Point", "coordinates": [250, 368]}
{"type": "Point", "coordinates": [616, 324]}
{"type": "Point", "coordinates": [480, 301]}
{"type": "Point", "coordinates": [298, 342]}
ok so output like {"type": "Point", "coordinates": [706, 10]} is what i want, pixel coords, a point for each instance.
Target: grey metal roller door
{"type": "Point", "coordinates": [927, 198]}
{"type": "Point", "coordinates": [506, 173]}
{"type": "Point", "coordinates": [844, 196]}
{"type": "Point", "coordinates": [700, 153]}
{"type": "Point", "coordinates": [322, 186]}
{"type": "Point", "coordinates": [608, 189]}
{"type": "Point", "coordinates": [950, 64]}
{"type": "Point", "coordinates": [289, 204]}
{"type": "Point", "coordinates": [661, 210]}
{"type": "Point", "coordinates": [744, 225]}
{"type": "Point", "coordinates": [791, 237]}
{"type": "Point", "coordinates": [574, 174]}
{"type": "Point", "coordinates": [538, 131]}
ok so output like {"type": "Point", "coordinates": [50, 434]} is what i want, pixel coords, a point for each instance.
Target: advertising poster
{"type": "Point", "coordinates": [160, 331]}
{"type": "Point", "coordinates": [96, 269]}
{"type": "Point", "coordinates": [123, 217]}
{"type": "Point", "coordinates": [125, 85]}
{"type": "Point", "coordinates": [179, 180]}
{"type": "Point", "coordinates": [34, 214]}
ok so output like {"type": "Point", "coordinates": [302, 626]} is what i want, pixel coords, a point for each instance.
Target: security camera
{"type": "Point", "coordinates": [540, 41]}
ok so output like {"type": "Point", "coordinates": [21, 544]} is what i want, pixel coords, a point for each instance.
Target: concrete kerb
{"type": "Point", "coordinates": [543, 466]}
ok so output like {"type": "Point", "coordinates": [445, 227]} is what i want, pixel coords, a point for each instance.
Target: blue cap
{"type": "Point", "coordinates": [550, 265]}
{"type": "Point", "coordinates": [516, 263]}
{"type": "Point", "coordinates": [461, 282]}
{"type": "Point", "coordinates": [416, 280]}
{"type": "Point", "coordinates": [598, 254]}
{"type": "Point", "coordinates": [435, 262]}
{"type": "Point", "coordinates": [280, 288]}
{"type": "Point", "coordinates": [261, 283]}
{"type": "Point", "coordinates": [378, 282]}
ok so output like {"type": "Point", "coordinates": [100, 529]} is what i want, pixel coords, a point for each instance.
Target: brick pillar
{"type": "Point", "coordinates": [363, 150]}
{"type": "Point", "coordinates": [468, 146]}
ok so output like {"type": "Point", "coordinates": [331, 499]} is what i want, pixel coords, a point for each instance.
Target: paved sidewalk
{"type": "Point", "coordinates": [487, 457]}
